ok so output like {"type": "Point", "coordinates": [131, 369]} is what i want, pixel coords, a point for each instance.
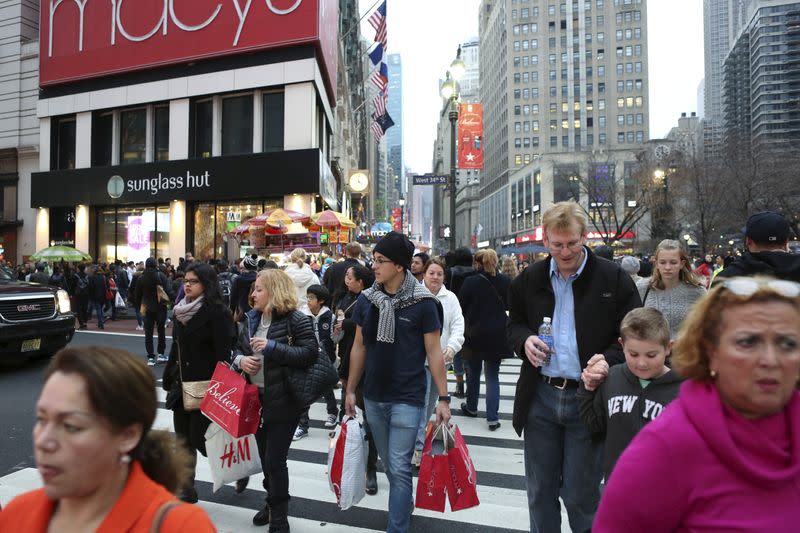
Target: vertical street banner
{"type": "Point", "coordinates": [397, 219]}
{"type": "Point", "coordinates": [470, 136]}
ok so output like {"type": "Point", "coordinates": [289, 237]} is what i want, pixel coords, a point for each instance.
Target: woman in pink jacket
{"type": "Point", "coordinates": [724, 456]}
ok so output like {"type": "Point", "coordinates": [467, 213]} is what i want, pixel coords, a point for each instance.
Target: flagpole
{"type": "Point", "coordinates": [360, 19]}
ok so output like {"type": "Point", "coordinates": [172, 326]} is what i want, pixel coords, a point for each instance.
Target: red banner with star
{"type": "Point", "coordinates": [470, 136]}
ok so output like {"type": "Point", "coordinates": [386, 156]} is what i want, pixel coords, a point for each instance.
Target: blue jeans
{"type": "Point", "coordinates": [98, 309]}
{"type": "Point", "coordinates": [560, 460]}
{"type": "Point", "coordinates": [394, 429]}
{"type": "Point", "coordinates": [431, 397]}
{"type": "Point", "coordinates": [491, 370]}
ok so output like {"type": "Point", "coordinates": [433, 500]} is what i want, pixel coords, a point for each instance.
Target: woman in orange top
{"type": "Point", "coordinates": [103, 468]}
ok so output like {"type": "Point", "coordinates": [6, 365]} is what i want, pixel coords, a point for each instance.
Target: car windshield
{"type": "Point", "coordinates": [5, 274]}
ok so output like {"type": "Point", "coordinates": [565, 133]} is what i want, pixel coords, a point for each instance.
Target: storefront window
{"type": "Point", "coordinates": [133, 136]}
{"type": "Point", "coordinates": [161, 133]}
{"type": "Point", "coordinates": [237, 125]}
{"type": "Point", "coordinates": [133, 233]}
{"type": "Point", "coordinates": [202, 128]}
{"type": "Point", "coordinates": [213, 222]}
{"type": "Point", "coordinates": [62, 226]}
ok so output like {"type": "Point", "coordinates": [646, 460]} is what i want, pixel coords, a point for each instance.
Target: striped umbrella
{"type": "Point", "coordinates": [332, 219]}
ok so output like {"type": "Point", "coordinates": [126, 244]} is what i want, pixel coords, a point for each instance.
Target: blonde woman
{"type": "Point", "coordinates": [263, 351]}
{"type": "Point", "coordinates": [302, 276]}
{"type": "Point", "coordinates": [508, 266]}
{"type": "Point", "coordinates": [673, 287]}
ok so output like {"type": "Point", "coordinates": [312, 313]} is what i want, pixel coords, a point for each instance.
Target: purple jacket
{"type": "Point", "coordinates": [702, 467]}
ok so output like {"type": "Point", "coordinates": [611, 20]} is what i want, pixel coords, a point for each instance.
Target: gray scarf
{"type": "Point", "coordinates": [411, 292]}
{"type": "Point", "coordinates": [185, 310]}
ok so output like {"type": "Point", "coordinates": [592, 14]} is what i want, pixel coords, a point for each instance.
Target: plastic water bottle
{"type": "Point", "coordinates": [546, 334]}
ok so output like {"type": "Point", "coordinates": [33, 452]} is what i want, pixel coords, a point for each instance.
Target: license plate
{"type": "Point", "coordinates": [31, 345]}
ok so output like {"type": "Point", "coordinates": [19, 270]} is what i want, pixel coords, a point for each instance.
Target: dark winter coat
{"type": "Point", "coordinates": [484, 301]}
{"type": "Point", "coordinates": [322, 325]}
{"type": "Point", "coordinates": [603, 295]}
{"type": "Point", "coordinates": [457, 276]}
{"type": "Point", "coordinates": [146, 293]}
{"type": "Point", "coordinates": [97, 287]}
{"type": "Point", "coordinates": [197, 346]}
{"type": "Point", "coordinates": [279, 357]}
{"type": "Point", "coordinates": [240, 290]}
{"type": "Point", "coordinates": [345, 344]}
{"type": "Point", "coordinates": [782, 265]}
{"type": "Point", "coordinates": [334, 277]}
{"type": "Point", "coordinates": [73, 283]}
{"type": "Point", "coordinates": [630, 407]}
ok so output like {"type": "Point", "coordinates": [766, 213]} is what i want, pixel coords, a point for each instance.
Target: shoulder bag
{"type": "Point", "coordinates": [307, 385]}
{"type": "Point", "coordinates": [192, 392]}
{"type": "Point", "coordinates": [161, 515]}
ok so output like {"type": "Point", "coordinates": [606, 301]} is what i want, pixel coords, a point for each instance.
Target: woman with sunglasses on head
{"type": "Point", "coordinates": [673, 288]}
{"type": "Point", "coordinates": [202, 336]}
{"type": "Point", "coordinates": [103, 467]}
{"type": "Point", "coordinates": [725, 456]}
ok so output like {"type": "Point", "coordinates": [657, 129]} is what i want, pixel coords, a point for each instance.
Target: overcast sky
{"type": "Point", "coordinates": [427, 33]}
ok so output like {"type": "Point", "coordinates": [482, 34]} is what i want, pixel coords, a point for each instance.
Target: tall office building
{"type": "Point", "coordinates": [394, 136]}
{"type": "Point", "coordinates": [557, 79]}
{"type": "Point", "coordinates": [760, 77]}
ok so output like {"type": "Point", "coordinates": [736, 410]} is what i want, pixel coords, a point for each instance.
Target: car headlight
{"type": "Point", "coordinates": [63, 302]}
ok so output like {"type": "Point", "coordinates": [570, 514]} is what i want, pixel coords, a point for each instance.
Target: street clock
{"type": "Point", "coordinates": [359, 181]}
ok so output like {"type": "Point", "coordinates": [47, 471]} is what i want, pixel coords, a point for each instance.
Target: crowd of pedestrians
{"type": "Point", "coordinates": [680, 382]}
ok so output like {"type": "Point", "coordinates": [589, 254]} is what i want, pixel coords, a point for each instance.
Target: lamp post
{"type": "Point", "coordinates": [402, 203]}
{"type": "Point", "coordinates": [450, 92]}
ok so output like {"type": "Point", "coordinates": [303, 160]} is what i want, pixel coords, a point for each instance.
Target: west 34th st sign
{"type": "Point", "coordinates": [88, 38]}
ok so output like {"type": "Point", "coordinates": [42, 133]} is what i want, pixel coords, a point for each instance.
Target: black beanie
{"type": "Point", "coordinates": [396, 247]}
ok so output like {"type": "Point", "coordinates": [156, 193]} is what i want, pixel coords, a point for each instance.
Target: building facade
{"type": "Point", "coordinates": [569, 78]}
{"type": "Point", "coordinates": [394, 135]}
{"type": "Point", "coordinates": [759, 90]}
{"type": "Point", "coordinates": [155, 141]}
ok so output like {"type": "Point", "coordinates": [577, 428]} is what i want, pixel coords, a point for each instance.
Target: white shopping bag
{"type": "Point", "coordinates": [119, 303]}
{"type": "Point", "coordinates": [230, 458]}
{"type": "Point", "coordinates": [347, 463]}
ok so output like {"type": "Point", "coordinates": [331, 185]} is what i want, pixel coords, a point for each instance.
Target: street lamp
{"type": "Point", "coordinates": [450, 92]}
{"type": "Point", "coordinates": [402, 202]}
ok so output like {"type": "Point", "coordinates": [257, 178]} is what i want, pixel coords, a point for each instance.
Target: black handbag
{"type": "Point", "coordinates": [308, 384]}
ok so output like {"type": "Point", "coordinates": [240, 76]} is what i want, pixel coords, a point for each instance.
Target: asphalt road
{"type": "Point", "coordinates": [19, 390]}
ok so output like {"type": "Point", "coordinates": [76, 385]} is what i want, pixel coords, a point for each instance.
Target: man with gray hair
{"type": "Point", "coordinates": [631, 265]}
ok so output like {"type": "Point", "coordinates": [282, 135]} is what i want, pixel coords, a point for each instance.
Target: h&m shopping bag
{"type": "Point", "coordinates": [434, 472]}
{"type": "Point", "coordinates": [462, 488]}
{"type": "Point", "coordinates": [231, 402]}
{"type": "Point", "coordinates": [230, 458]}
{"type": "Point", "coordinates": [347, 460]}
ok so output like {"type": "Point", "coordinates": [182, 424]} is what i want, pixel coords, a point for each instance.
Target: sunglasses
{"type": "Point", "coordinates": [749, 286]}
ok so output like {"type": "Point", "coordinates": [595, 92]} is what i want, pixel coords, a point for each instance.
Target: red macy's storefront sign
{"type": "Point", "coordinates": [90, 38]}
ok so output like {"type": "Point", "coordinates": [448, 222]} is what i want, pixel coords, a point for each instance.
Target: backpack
{"type": "Point", "coordinates": [82, 285]}
{"type": "Point", "coordinates": [224, 282]}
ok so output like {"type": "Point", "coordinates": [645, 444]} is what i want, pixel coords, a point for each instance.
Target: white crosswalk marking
{"type": "Point", "coordinates": [498, 458]}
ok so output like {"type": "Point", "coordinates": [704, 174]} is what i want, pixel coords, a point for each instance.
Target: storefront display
{"type": "Point", "coordinates": [132, 233]}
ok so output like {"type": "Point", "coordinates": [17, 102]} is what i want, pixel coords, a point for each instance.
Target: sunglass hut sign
{"type": "Point", "coordinates": [117, 185]}
{"type": "Point", "coordinates": [88, 38]}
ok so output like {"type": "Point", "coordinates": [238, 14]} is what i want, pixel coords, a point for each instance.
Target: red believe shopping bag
{"type": "Point", "coordinates": [433, 472]}
{"type": "Point", "coordinates": [462, 488]}
{"type": "Point", "coordinates": [231, 402]}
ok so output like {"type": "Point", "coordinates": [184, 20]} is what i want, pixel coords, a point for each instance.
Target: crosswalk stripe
{"type": "Point", "coordinates": [498, 458]}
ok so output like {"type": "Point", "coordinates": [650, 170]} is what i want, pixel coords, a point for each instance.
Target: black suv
{"type": "Point", "coordinates": [34, 319]}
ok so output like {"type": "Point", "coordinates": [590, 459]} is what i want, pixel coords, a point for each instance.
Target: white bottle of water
{"type": "Point", "coordinates": [546, 334]}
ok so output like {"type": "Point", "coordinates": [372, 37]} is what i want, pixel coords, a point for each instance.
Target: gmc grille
{"type": "Point", "coordinates": [27, 309]}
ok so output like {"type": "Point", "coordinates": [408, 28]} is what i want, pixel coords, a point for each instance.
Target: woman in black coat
{"type": "Point", "coordinates": [273, 340]}
{"type": "Point", "coordinates": [155, 310]}
{"type": "Point", "coordinates": [484, 302]}
{"type": "Point", "coordinates": [202, 336]}
{"type": "Point", "coordinates": [97, 294]}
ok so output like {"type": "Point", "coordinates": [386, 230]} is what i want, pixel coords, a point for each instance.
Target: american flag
{"type": "Point", "coordinates": [378, 22]}
{"type": "Point", "coordinates": [377, 131]}
{"type": "Point", "coordinates": [380, 78]}
{"type": "Point", "coordinates": [379, 103]}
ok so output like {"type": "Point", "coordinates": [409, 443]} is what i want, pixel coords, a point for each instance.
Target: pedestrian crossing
{"type": "Point", "coordinates": [498, 459]}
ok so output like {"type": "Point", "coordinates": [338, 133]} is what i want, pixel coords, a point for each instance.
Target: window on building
{"type": "Point", "coordinates": [621, 138]}
{"type": "Point", "coordinates": [640, 137]}
{"type": "Point", "coordinates": [161, 132]}
{"type": "Point", "coordinates": [273, 109]}
{"type": "Point", "coordinates": [237, 125]}
{"type": "Point", "coordinates": [629, 68]}
{"type": "Point", "coordinates": [601, 121]}
{"type": "Point", "coordinates": [62, 151]}
{"type": "Point", "coordinates": [630, 137]}
{"type": "Point", "coordinates": [620, 86]}
{"type": "Point", "coordinates": [517, 142]}
{"type": "Point", "coordinates": [620, 120]}
{"type": "Point", "coordinates": [553, 141]}
{"type": "Point", "coordinates": [536, 125]}
{"type": "Point", "coordinates": [518, 159]}
{"type": "Point", "coordinates": [132, 136]}
{"type": "Point", "coordinates": [517, 127]}
{"type": "Point", "coordinates": [202, 127]}
{"type": "Point", "coordinates": [102, 138]}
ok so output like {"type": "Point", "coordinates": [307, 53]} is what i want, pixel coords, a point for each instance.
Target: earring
{"type": "Point", "coordinates": [713, 374]}
{"type": "Point", "coordinates": [125, 459]}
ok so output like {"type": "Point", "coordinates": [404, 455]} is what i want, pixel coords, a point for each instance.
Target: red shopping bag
{"type": "Point", "coordinates": [462, 488]}
{"type": "Point", "coordinates": [231, 402]}
{"type": "Point", "coordinates": [433, 472]}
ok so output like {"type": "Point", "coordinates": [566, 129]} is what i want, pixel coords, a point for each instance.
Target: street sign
{"type": "Point", "coordinates": [430, 179]}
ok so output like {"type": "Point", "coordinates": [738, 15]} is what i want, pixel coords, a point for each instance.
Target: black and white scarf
{"type": "Point", "coordinates": [411, 292]}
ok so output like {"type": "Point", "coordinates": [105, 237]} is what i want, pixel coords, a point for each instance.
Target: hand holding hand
{"type": "Point", "coordinates": [536, 350]}
{"type": "Point", "coordinates": [258, 344]}
{"type": "Point", "coordinates": [595, 372]}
